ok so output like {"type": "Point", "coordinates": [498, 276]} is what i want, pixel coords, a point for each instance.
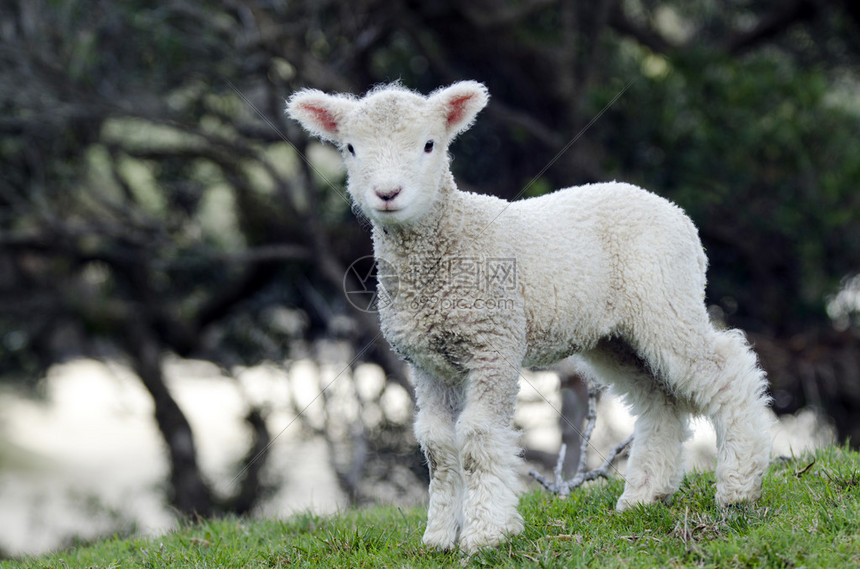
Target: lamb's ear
{"type": "Point", "coordinates": [320, 114]}
{"type": "Point", "coordinates": [459, 104]}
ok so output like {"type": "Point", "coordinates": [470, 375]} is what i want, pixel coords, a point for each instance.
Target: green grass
{"type": "Point", "coordinates": [809, 516]}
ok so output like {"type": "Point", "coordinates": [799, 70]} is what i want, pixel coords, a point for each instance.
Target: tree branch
{"type": "Point", "coordinates": [190, 494]}
{"type": "Point", "coordinates": [563, 487]}
{"type": "Point", "coordinates": [251, 487]}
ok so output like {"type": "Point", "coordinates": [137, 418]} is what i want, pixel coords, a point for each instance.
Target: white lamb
{"type": "Point", "coordinates": [608, 271]}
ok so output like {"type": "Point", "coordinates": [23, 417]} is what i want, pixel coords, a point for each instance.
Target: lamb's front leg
{"type": "Point", "coordinates": [489, 455]}
{"type": "Point", "coordinates": [438, 405]}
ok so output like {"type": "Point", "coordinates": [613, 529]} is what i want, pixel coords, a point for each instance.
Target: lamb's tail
{"type": "Point", "coordinates": [741, 367]}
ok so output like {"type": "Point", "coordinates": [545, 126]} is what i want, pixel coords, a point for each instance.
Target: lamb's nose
{"type": "Point", "coordinates": [388, 195]}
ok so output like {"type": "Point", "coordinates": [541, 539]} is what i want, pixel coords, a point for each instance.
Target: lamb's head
{"type": "Point", "coordinates": [394, 142]}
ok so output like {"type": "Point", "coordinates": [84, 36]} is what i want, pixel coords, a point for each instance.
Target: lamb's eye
{"type": "Point", "coordinates": [351, 149]}
{"type": "Point", "coordinates": [428, 148]}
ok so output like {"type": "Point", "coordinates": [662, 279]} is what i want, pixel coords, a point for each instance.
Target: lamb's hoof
{"type": "Point", "coordinates": [731, 495]}
{"type": "Point", "coordinates": [627, 501]}
{"type": "Point", "coordinates": [473, 542]}
{"type": "Point", "coordinates": [441, 537]}
{"type": "Point", "coordinates": [479, 536]}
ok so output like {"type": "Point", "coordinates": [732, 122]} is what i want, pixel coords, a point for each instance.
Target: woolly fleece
{"type": "Point", "coordinates": [610, 273]}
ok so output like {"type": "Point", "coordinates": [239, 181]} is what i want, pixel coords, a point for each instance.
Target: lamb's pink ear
{"type": "Point", "coordinates": [320, 114]}
{"type": "Point", "coordinates": [459, 104]}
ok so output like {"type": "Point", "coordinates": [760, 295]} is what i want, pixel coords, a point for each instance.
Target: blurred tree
{"type": "Point", "coordinates": [154, 199]}
{"type": "Point", "coordinates": [147, 211]}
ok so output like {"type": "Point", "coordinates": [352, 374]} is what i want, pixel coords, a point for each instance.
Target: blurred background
{"type": "Point", "coordinates": [174, 334]}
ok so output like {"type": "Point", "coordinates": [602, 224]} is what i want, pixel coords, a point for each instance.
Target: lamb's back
{"type": "Point", "coordinates": [585, 255]}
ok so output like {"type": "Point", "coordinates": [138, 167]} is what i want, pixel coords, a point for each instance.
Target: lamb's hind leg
{"type": "Point", "coordinates": [489, 455]}
{"type": "Point", "coordinates": [734, 399]}
{"type": "Point", "coordinates": [438, 406]}
{"type": "Point", "coordinates": [657, 459]}
{"type": "Point", "coordinates": [718, 374]}
{"type": "Point", "coordinates": [656, 464]}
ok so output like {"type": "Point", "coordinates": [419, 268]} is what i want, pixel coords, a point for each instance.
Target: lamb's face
{"type": "Point", "coordinates": [394, 143]}
{"type": "Point", "coordinates": [394, 148]}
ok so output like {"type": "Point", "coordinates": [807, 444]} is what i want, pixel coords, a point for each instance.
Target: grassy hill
{"type": "Point", "coordinates": [809, 516]}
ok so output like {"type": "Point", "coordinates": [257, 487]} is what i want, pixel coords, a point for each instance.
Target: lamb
{"type": "Point", "coordinates": [609, 273]}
